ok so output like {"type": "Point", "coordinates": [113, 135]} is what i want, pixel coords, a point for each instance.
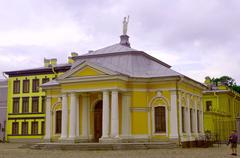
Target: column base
{"type": "Point", "coordinates": [47, 140]}
{"type": "Point", "coordinates": [110, 140]}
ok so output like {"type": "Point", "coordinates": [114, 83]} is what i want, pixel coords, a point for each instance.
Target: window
{"type": "Point", "coordinates": [15, 128]}
{"type": "Point", "coordinates": [15, 105]}
{"type": "Point", "coordinates": [45, 80]}
{"type": "Point", "coordinates": [58, 121]}
{"type": "Point", "coordinates": [191, 120]}
{"type": "Point", "coordinates": [25, 86]}
{"type": "Point", "coordinates": [16, 86]}
{"type": "Point", "coordinates": [25, 105]}
{"type": "Point", "coordinates": [183, 120]}
{"type": "Point", "coordinates": [34, 129]}
{"type": "Point", "coordinates": [43, 128]}
{"type": "Point", "coordinates": [35, 86]}
{"type": "Point", "coordinates": [35, 104]}
{"type": "Point", "coordinates": [24, 128]}
{"type": "Point", "coordinates": [43, 104]}
{"type": "Point", "coordinates": [160, 119]}
{"type": "Point", "coordinates": [208, 105]}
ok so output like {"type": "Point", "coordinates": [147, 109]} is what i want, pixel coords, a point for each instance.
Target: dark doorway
{"type": "Point", "coordinates": [98, 121]}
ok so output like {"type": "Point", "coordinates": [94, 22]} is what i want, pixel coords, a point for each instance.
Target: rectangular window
{"type": "Point", "coordinates": [24, 128]}
{"type": "Point", "coordinates": [191, 120]}
{"type": "Point", "coordinates": [25, 105]}
{"type": "Point", "coordinates": [16, 87]}
{"type": "Point", "coordinates": [208, 105]}
{"type": "Point", "coordinates": [183, 120]}
{"type": "Point", "coordinates": [15, 128]}
{"type": "Point", "coordinates": [198, 121]}
{"type": "Point", "coordinates": [25, 86]}
{"type": "Point", "coordinates": [43, 128]}
{"type": "Point", "coordinates": [58, 121]}
{"type": "Point", "coordinates": [15, 105]}
{"type": "Point", "coordinates": [35, 85]}
{"type": "Point", "coordinates": [35, 104]}
{"type": "Point", "coordinates": [43, 104]}
{"type": "Point", "coordinates": [45, 80]}
{"type": "Point", "coordinates": [160, 119]}
{"type": "Point", "coordinates": [34, 130]}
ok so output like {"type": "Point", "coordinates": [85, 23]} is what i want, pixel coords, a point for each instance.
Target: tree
{"type": "Point", "coordinates": [228, 81]}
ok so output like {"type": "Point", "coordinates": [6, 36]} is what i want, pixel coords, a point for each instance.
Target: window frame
{"type": "Point", "coordinates": [16, 86]}
{"type": "Point", "coordinates": [34, 128]}
{"type": "Point", "coordinates": [25, 129]}
{"type": "Point", "coordinates": [15, 108]}
{"type": "Point", "coordinates": [58, 122]}
{"type": "Point", "coordinates": [35, 106]}
{"type": "Point", "coordinates": [15, 128]}
{"type": "Point", "coordinates": [26, 86]}
{"type": "Point", "coordinates": [35, 85]}
{"type": "Point", "coordinates": [25, 99]}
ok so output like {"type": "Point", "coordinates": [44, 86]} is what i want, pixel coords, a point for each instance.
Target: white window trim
{"type": "Point", "coordinates": [153, 121]}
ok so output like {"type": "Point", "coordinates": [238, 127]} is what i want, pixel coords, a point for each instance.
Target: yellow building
{"type": "Point", "coordinates": [26, 101]}
{"type": "Point", "coordinates": [120, 94]}
{"type": "Point", "coordinates": [221, 107]}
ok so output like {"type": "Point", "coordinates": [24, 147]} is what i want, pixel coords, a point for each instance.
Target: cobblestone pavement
{"type": "Point", "coordinates": [12, 151]}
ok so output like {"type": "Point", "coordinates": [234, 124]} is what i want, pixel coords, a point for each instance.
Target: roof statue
{"type": "Point", "coordinates": [125, 25]}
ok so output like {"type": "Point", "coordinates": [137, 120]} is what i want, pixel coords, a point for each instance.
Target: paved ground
{"type": "Point", "coordinates": [12, 151]}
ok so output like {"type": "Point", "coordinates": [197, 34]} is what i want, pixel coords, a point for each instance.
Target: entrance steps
{"type": "Point", "coordinates": [103, 146]}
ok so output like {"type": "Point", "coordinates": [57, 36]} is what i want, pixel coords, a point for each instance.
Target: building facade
{"type": "Point", "coordinates": [3, 108]}
{"type": "Point", "coordinates": [26, 101]}
{"type": "Point", "coordinates": [221, 108]}
{"type": "Point", "coordinates": [119, 94]}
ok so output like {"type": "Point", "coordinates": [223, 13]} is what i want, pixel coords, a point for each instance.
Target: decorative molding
{"type": "Point", "coordinates": [139, 109]}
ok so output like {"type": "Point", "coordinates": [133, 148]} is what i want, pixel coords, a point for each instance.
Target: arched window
{"type": "Point", "coordinates": [160, 119]}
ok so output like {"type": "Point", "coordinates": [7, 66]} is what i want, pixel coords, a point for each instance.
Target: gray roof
{"type": "Point", "coordinates": [115, 48]}
{"type": "Point", "coordinates": [51, 83]}
{"type": "Point", "coordinates": [125, 60]}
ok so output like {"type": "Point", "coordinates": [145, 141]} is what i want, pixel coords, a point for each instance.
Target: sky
{"type": "Point", "coordinates": [197, 38]}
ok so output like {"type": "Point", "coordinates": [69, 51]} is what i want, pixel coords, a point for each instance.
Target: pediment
{"type": "Point", "coordinates": [86, 69]}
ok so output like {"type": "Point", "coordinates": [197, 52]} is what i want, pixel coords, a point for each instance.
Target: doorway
{"type": "Point", "coordinates": [98, 121]}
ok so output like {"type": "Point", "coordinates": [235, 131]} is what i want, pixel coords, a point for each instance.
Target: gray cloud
{"type": "Point", "coordinates": [198, 38]}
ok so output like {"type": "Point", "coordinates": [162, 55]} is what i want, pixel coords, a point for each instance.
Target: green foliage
{"type": "Point", "coordinates": [226, 80]}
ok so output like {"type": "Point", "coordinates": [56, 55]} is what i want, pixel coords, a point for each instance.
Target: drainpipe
{"type": "Point", "coordinates": [177, 92]}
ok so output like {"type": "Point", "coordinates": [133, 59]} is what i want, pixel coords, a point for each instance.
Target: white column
{"type": "Point", "coordinates": [105, 120]}
{"type": "Point", "coordinates": [126, 115]}
{"type": "Point", "coordinates": [85, 104]}
{"type": "Point", "coordinates": [173, 116]}
{"type": "Point", "coordinates": [48, 129]}
{"type": "Point", "coordinates": [77, 116]}
{"type": "Point", "coordinates": [180, 116]}
{"type": "Point", "coordinates": [64, 117]}
{"type": "Point", "coordinates": [73, 107]}
{"type": "Point", "coordinates": [188, 117]}
{"type": "Point", "coordinates": [114, 115]}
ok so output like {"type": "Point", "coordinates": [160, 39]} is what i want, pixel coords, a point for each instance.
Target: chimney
{"type": "Point", "coordinates": [70, 59]}
{"type": "Point", "coordinates": [53, 61]}
{"type": "Point", "coordinates": [124, 40]}
{"type": "Point", "coordinates": [46, 62]}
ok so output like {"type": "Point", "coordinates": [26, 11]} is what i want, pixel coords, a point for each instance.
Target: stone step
{"type": "Point", "coordinates": [103, 146]}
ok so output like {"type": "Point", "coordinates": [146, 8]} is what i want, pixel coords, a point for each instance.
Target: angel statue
{"type": "Point", "coordinates": [125, 25]}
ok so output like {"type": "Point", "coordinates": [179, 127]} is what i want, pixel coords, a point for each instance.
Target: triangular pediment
{"type": "Point", "coordinates": [86, 69]}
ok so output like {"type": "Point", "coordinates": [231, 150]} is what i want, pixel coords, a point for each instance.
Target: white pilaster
{"type": "Point", "coordinates": [105, 120]}
{"type": "Point", "coordinates": [173, 116]}
{"type": "Point", "coordinates": [73, 105]}
{"type": "Point", "coordinates": [201, 117]}
{"type": "Point", "coordinates": [180, 116]}
{"type": "Point", "coordinates": [126, 115]}
{"type": "Point", "coordinates": [196, 119]}
{"type": "Point", "coordinates": [64, 131]}
{"type": "Point", "coordinates": [114, 115]}
{"type": "Point", "coordinates": [188, 116]}
{"type": "Point", "coordinates": [85, 104]}
{"type": "Point", "coordinates": [77, 116]}
{"type": "Point", "coordinates": [48, 129]}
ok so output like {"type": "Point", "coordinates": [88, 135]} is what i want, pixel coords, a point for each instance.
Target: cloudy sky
{"type": "Point", "coordinates": [198, 38]}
